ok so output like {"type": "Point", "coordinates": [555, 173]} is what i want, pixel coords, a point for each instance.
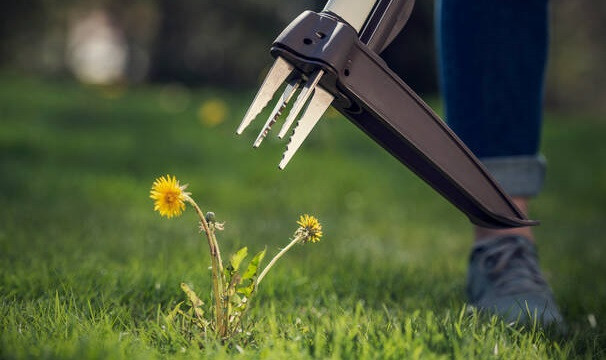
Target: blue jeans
{"type": "Point", "coordinates": [492, 56]}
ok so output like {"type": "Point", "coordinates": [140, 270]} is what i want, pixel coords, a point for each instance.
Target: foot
{"type": "Point", "coordinates": [504, 278]}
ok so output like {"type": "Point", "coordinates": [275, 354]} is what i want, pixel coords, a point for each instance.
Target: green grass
{"type": "Point", "coordinates": [87, 269]}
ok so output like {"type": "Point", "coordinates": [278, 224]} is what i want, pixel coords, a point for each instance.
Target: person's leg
{"type": "Point", "coordinates": [481, 233]}
{"type": "Point", "coordinates": [492, 63]}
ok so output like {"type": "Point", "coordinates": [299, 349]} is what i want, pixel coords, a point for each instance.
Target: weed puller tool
{"type": "Point", "coordinates": [331, 57]}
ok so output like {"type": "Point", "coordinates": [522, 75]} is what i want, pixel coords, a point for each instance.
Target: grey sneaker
{"type": "Point", "coordinates": [504, 278]}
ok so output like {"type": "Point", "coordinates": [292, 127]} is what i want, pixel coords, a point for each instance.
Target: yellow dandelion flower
{"type": "Point", "coordinates": [169, 197]}
{"type": "Point", "coordinates": [309, 228]}
{"type": "Point", "coordinates": [212, 112]}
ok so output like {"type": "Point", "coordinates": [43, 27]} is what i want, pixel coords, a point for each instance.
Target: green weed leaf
{"type": "Point", "coordinates": [195, 300]}
{"type": "Point", "coordinates": [247, 290]}
{"type": "Point", "coordinates": [171, 315]}
{"type": "Point", "coordinates": [236, 259]}
{"type": "Point", "coordinates": [253, 266]}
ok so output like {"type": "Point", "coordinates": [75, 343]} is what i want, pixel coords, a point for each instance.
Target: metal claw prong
{"type": "Point", "coordinates": [274, 79]}
{"type": "Point", "coordinates": [301, 100]}
{"type": "Point", "coordinates": [320, 101]}
{"type": "Point", "coordinates": [288, 93]}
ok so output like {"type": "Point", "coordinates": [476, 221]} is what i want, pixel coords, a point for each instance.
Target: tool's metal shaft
{"type": "Point", "coordinates": [355, 12]}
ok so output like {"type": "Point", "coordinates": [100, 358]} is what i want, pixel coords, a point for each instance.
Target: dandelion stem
{"type": "Point", "coordinates": [212, 240]}
{"type": "Point", "coordinates": [216, 265]}
{"type": "Point", "coordinates": [275, 258]}
{"type": "Point", "coordinates": [217, 251]}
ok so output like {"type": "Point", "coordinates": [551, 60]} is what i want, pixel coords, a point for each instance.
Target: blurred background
{"type": "Point", "coordinates": [100, 97]}
{"type": "Point", "coordinates": [225, 43]}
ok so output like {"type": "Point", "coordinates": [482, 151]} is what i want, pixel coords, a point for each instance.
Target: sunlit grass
{"type": "Point", "coordinates": [87, 270]}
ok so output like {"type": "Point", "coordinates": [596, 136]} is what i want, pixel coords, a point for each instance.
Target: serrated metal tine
{"type": "Point", "coordinates": [301, 100]}
{"type": "Point", "coordinates": [288, 93]}
{"type": "Point", "coordinates": [274, 79]}
{"type": "Point", "coordinates": [320, 101]}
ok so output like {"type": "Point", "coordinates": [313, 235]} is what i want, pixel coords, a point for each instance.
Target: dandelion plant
{"type": "Point", "coordinates": [232, 288]}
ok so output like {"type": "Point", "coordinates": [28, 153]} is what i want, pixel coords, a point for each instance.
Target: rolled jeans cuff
{"type": "Point", "coordinates": [521, 176]}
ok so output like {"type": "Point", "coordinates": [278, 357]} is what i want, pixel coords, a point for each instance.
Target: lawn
{"type": "Point", "coordinates": [89, 270]}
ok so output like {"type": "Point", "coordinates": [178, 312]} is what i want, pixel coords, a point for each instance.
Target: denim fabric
{"type": "Point", "coordinates": [492, 56]}
{"type": "Point", "coordinates": [518, 175]}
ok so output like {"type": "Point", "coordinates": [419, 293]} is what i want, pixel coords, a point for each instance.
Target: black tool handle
{"type": "Point", "coordinates": [376, 100]}
{"type": "Point", "coordinates": [385, 22]}
{"type": "Point", "coordinates": [396, 118]}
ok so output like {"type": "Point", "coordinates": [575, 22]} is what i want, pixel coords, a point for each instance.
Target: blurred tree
{"type": "Point", "coordinates": [21, 23]}
{"type": "Point", "coordinates": [139, 21]}
{"type": "Point", "coordinates": [226, 43]}
{"type": "Point", "coordinates": [577, 68]}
